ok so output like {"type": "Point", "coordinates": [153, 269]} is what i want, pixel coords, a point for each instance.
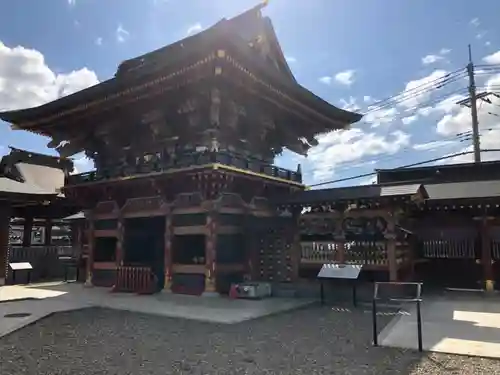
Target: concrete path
{"type": "Point", "coordinates": [42, 300]}
{"type": "Point", "coordinates": [452, 323]}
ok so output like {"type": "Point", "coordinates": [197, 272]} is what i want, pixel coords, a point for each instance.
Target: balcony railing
{"type": "Point", "coordinates": [186, 160]}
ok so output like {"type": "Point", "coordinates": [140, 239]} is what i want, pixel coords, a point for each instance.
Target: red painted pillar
{"type": "Point", "coordinates": [210, 252]}
{"type": "Point", "coordinates": [4, 240]}
{"type": "Point", "coordinates": [168, 251]}
{"type": "Point", "coordinates": [119, 242]}
{"type": "Point", "coordinates": [90, 258]}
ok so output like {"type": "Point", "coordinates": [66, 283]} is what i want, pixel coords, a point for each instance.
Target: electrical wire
{"type": "Point", "coordinates": [398, 155]}
{"type": "Point", "coordinates": [418, 90]}
{"type": "Point", "coordinates": [403, 167]}
{"type": "Point", "coordinates": [415, 109]}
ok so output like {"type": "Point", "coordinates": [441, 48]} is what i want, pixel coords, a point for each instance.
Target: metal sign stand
{"type": "Point", "coordinates": [416, 298]}
{"type": "Point", "coordinates": [339, 272]}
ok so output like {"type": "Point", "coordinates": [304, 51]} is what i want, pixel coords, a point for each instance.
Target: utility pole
{"type": "Point", "coordinates": [473, 109]}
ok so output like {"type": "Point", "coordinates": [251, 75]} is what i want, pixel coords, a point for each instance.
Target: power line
{"type": "Point", "coordinates": [350, 165]}
{"type": "Point", "coordinates": [403, 151]}
{"type": "Point", "coordinates": [417, 91]}
{"type": "Point", "coordinates": [402, 167]}
{"type": "Point", "coordinates": [424, 89]}
{"type": "Point", "coordinates": [415, 109]}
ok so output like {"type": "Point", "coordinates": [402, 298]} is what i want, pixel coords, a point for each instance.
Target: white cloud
{"type": "Point", "coordinates": [82, 164]}
{"type": "Point", "coordinates": [368, 99]}
{"type": "Point", "coordinates": [290, 59]}
{"type": "Point", "coordinates": [121, 34]}
{"type": "Point", "coordinates": [350, 104]}
{"type": "Point", "coordinates": [326, 80]}
{"type": "Point", "coordinates": [434, 58]}
{"type": "Point", "coordinates": [459, 121]}
{"type": "Point", "coordinates": [481, 35]}
{"type": "Point", "coordinates": [381, 116]}
{"type": "Point", "coordinates": [193, 29]}
{"type": "Point", "coordinates": [487, 43]}
{"type": "Point", "coordinates": [420, 94]}
{"type": "Point", "coordinates": [494, 58]}
{"type": "Point", "coordinates": [348, 146]}
{"type": "Point", "coordinates": [98, 41]}
{"type": "Point", "coordinates": [369, 181]}
{"type": "Point", "coordinates": [71, 3]}
{"type": "Point", "coordinates": [433, 145]}
{"type": "Point", "coordinates": [475, 22]}
{"type": "Point", "coordinates": [346, 77]}
{"type": "Point", "coordinates": [431, 59]}
{"type": "Point", "coordinates": [27, 81]}
{"type": "Point", "coordinates": [408, 120]}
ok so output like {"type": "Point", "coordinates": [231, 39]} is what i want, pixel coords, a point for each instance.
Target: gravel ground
{"type": "Point", "coordinates": [309, 341]}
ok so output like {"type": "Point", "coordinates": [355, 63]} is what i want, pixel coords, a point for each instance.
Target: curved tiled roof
{"type": "Point", "coordinates": [134, 73]}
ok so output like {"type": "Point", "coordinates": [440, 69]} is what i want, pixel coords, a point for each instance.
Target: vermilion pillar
{"type": "Point", "coordinates": [210, 255]}
{"type": "Point", "coordinates": [168, 252]}
{"type": "Point", "coordinates": [4, 240]}
{"type": "Point", "coordinates": [90, 258]}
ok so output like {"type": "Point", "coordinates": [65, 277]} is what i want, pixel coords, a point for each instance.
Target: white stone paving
{"type": "Point", "coordinates": [456, 324]}
{"type": "Point", "coordinates": [43, 300]}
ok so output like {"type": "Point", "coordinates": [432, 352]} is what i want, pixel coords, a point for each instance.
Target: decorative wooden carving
{"type": "Point", "coordinates": [144, 204]}
{"type": "Point", "coordinates": [187, 200]}
{"type": "Point", "coordinates": [260, 203]}
{"type": "Point", "coordinates": [365, 227]}
{"type": "Point", "coordinates": [318, 225]}
{"type": "Point", "coordinates": [106, 208]}
{"type": "Point", "coordinates": [230, 200]}
{"type": "Point", "coordinates": [215, 96]}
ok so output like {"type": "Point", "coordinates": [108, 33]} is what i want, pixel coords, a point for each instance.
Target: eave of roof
{"type": "Point", "coordinates": [463, 190]}
{"type": "Point", "coordinates": [9, 186]}
{"type": "Point", "coordinates": [352, 193]}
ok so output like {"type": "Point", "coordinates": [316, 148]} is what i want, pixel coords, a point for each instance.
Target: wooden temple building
{"type": "Point", "coordinates": [437, 224]}
{"type": "Point", "coordinates": [185, 196]}
{"type": "Point", "coordinates": [183, 141]}
{"type": "Point", "coordinates": [32, 205]}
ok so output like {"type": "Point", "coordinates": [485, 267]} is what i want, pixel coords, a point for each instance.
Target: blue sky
{"type": "Point", "coordinates": [351, 53]}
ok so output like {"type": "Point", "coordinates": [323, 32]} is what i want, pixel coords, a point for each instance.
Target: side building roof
{"type": "Point", "coordinates": [351, 194]}
{"type": "Point", "coordinates": [25, 175]}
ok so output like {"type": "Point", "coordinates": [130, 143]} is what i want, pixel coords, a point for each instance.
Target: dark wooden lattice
{"type": "Point", "coordinates": [274, 244]}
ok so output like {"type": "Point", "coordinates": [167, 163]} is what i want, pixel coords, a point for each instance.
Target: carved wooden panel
{"type": "Point", "coordinates": [230, 200]}
{"type": "Point", "coordinates": [187, 200]}
{"type": "Point", "coordinates": [364, 227]}
{"type": "Point", "coordinates": [318, 225]}
{"type": "Point", "coordinates": [144, 204]}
